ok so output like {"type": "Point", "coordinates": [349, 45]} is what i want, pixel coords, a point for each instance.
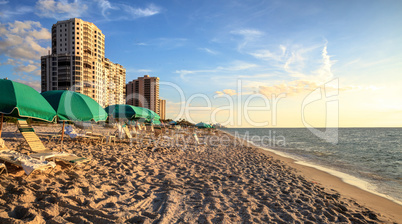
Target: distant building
{"type": "Point", "coordinates": [144, 92]}
{"type": "Point", "coordinates": [162, 109]}
{"type": "Point", "coordinates": [77, 62]}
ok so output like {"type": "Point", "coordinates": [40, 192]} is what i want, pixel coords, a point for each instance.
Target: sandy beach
{"type": "Point", "coordinates": [182, 183]}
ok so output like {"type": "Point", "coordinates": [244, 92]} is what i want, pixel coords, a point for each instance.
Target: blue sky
{"type": "Point", "coordinates": [208, 47]}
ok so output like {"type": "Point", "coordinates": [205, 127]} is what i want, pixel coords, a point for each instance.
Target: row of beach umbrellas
{"type": "Point", "coordinates": [199, 125]}
{"type": "Point", "coordinates": [21, 101]}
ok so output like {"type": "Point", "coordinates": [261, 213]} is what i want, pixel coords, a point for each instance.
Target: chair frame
{"type": "Point", "coordinates": [40, 151]}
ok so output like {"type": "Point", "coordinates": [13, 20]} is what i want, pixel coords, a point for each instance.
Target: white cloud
{"type": "Point", "coordinates": [142, 12]}
{"type": "Point", "coordinates": [288, 88]}
{"type": "Point", "coordinates": [6, 12]}
{"type": "Point", "coordinates": [267, 55]}
{"type": "Point", "coordinates": [248, 36]}
{"type": "Point", "coordinates": [230, 92]}
{"type": "Point", "coordinates": [309, 82]}
{"type": "Point", "coordinates": [238, 65]}
{"type": "Point", "coordinates": [61, 9]}
{"type": "Point", "coordinates": [114, 11]}
{"type": "Point", "coordinates": [105, 6]}
{"type": "Point", "coordinates": [234, 66]}
{"type": "Point", "coordinates": [248, 33]}
{"type": "Point", "coordinates": [165, 43]}
{"type": "Point", "coordinates": [9, 61]}
{"type": "Point", "coordinates": [26, 68]}
{"type": "Point", "coordinates": [32, 83]}
{"type": "Point", "coordinates": [20, 43]}
{"type": "Point", "coordinates": [133, 70]}
{"type": "Point", "coordinates": [21, 40]}
{"type": "Point", "coordinates": [208, 50]}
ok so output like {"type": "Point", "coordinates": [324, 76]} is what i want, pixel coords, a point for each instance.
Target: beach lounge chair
{"type": "Point", "coordinates": [197, 141]}
{"type": "Point", "coordinates": [127, 134]}
{"type": "Point", "coordinates": [2, 168]}
{"type": "Point", "coordinates": [29, 164]}
{"type": "Point", "coordinates": [71, 132]}
{"type": "Point", "coordinates": [40, 151]}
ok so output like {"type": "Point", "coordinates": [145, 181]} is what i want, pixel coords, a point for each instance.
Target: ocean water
{"type": "Point", "coordinates": [370, 158]}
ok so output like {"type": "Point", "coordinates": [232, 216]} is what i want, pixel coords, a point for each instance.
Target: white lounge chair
{"type": "Point", "coordinates": [40, 151]}
{"type": "Point", "coordinates": [29, 164]}
{"type": "Point", "coordinates": [2, 168]}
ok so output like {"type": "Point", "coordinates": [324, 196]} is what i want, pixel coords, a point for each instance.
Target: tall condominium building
{"type": "Point", "coordinates": [144, 92]}
{"type": "Point", "coordinates": [162, 109]}
{"type": "Point", "coordinates": [77, 62]}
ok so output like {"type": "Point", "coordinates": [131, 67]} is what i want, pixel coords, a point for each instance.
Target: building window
{"type": "Point", "coordinates": [78, 48]}
{"type": "Point", "coordinates": [65, 49]}
{"type": "Point", "coordinates": [61, 45]}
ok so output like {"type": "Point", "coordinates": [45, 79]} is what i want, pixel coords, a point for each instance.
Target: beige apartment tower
{"type": "Point", "coordinates": [77, 62]}
{"type": "Point", "coordinates": [144, 92]}
{"type": "Point", "coordinates": [162, 109]}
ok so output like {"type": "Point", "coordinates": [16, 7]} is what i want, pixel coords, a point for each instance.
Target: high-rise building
{"type": "Point", "coordinates": [77, 62]}
{"type": "Point", "coordinates": [144, 92]}
{"type": "Point", "coordinates": [162, 109]}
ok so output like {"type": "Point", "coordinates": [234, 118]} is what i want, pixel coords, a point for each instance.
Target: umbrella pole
{"type": "Point", "coordinates": [1, 124]}
{"type": "Point", "coordinates": [62, 135]}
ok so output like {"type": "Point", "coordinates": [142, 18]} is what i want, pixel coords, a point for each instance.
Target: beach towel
{"type": "Point", "coordinates": [70, 131]}
{"type": "Point", "coordinates": [28, 163]}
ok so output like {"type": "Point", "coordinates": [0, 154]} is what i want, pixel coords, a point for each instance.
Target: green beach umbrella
{"type": "Point", "coordinates": [22, 101]}
{"type": "Point", "coordinates": [73, 106]}
{"type": "Point", "coordinates": [153, 118]}
{"type": "Point", "coordinates": [152, 115]}
{"type": "Point", "coordinates": [203, 125]}
{"type": "Point", "coordinates": [129, 112]}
